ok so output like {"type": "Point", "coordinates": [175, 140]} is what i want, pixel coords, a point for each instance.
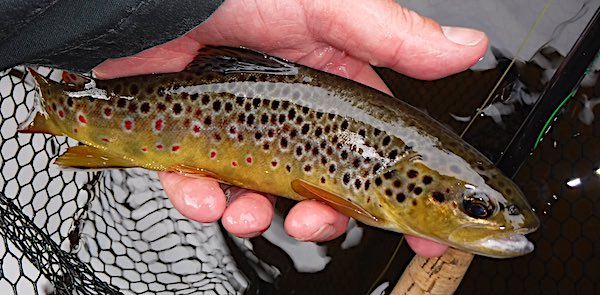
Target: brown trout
{"type": "Point", "coordinates": [270, 125]}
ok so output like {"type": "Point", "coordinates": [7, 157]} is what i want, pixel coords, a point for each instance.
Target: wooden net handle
{"type": "Point", "coordinates": [437, 275]}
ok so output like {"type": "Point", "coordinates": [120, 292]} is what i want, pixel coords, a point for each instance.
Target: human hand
{"type": "Point", "coordinates": [342, 37]}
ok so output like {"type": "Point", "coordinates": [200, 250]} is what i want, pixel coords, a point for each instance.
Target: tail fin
{"type": "Point", "coordinates": [38, 121]}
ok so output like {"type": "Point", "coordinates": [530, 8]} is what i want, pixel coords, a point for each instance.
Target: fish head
{"type": "Point", "coordinates": [480, 211]}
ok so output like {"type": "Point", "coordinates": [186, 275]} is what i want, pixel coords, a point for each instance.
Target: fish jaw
{"type": "Point", "coordinates": [506, 245]}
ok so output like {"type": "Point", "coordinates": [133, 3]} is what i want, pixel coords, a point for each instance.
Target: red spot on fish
{"type": "Point", "coordinates": [82, 119]}
{"type": "Point", "coordinates": [105, 139]}
{"type": "Point", "coordinates": [274, 163]}
{"type": "Point", "coordinates": [196, 128]}
{"type": "Point", "coordinates": [234, 164]}
{"type": "Point", "coordinates": [128, 125]}
{"type": "Point", "coordinates": [249, 160]}
{"type": "Point", "coordinates": [107, 112]}
{"type": "Point", "coordinates": [175, 148]}
{"type": "Point", "coordinates": [159, 146]}
{"type": "Point", "coordinates": [61, 114]}
{"type": "Point", "coordinates": [75, 130]}
{"type": "Point", "coordinates": [213, 154]}
{"type": "Point", "coordinates": [158, 125]}
{"type": "Point", "coordinates": [145, 149]}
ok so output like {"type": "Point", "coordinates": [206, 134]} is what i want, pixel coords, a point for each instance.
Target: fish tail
{"type": "Point", "coordinates": [38, 120]}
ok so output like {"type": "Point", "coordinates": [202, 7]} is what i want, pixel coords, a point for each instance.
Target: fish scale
{"type": "Point", "coordinates": [266, 124]}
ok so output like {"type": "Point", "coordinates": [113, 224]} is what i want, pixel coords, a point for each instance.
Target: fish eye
{"type": "Point", "coordinates": [477, 204]}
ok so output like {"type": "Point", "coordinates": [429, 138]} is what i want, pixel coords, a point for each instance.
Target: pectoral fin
{"type": "Point", "coordinates": [194, 172]}
{"type": "Point", "coordinates": [340, 204]}
{"type": "Point", "coordinates": [87, 157]}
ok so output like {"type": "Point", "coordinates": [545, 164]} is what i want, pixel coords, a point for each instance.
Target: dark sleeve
{"type": "Point", "coordinates": [77, 35]}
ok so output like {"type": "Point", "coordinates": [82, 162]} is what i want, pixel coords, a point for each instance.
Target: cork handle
{"type": "Point", "coordinates": [438, 275]}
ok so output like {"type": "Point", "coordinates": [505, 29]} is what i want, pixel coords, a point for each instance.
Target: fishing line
{"type": "Point", "coordinates": [512, 62]}
{"type": "Point", "coordinates": [387, 266]}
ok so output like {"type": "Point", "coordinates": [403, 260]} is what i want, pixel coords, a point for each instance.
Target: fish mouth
{"type": "Point", "coordinates": [506, 246]}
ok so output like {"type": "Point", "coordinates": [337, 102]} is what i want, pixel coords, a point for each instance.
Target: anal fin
{"type": "Point", "coordinates": [342, 205]}
{"type": "Point", "coordinates": [87, 157]}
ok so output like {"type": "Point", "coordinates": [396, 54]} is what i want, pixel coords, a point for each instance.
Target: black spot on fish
{"type": "Point", "coordinates": [305, 129]}
{"type": "Point", "coordinates": [411, 187]}
{"type": "Point", "coordinates": [393, 155]}
{"type": "Point", "coordinates": [330, 116]}
{"type": "Point", "coordinates": [376, 132]}
{"type": "Point", "coordinates": [250, 119]}
{"type": "Point", "coordinates": [378, 181]}
{"type": "Point", "coordinates": [217, 105]}
{"type": "Point", "coordinates": [242, 118]}
{"type": "Point", "coordinates": [397, 183]}
{"type": "Point", "coordinates": [307, 146]}
{"type": "Point", "coordinates": [322, 179]}
{"type": "Point", "coordinates": [299, 151]}
{"type": "Point", "coordinates": [292, 113]}
{"type": "Point", "coordinates": [177, 108]}
{"type": "Point", "coordinates": [258, 135]}
{"type": "Point", "coordinates": [386, 140]}
{"type": "Point", "coordinates": [275, 105]}
{"type": "Point", "coordinates": [332, 168]}
{"type": "Point", "coordinates": [239, 100]}
{"type": "Point", "coordinates": [318, 131]}
{"type": "Point", "coordinates": [248, 107]}
{"type": "Point", "coordinates": [240, 137]}
{"type": "Point", "coordinates": [323, 160]}
{"type": "Point", "coordinates": [293, 133]}
{"type": "Point", "coordinates": [145, 108]}
{"type": "Point", "coordinates": [256, 102]}
{"type": "Point", "coordinates": [362, 132]}
{"type": "Point", "coordinates": [367, 184]}
{"type": "Point", "coordinates": [356, 163]}
{"type": "Point", "coordinates": [69, 102]}
{"type": "Point", "coordinates": [205, 99]}
{"type": "Point", "coordinates": [307, 168]}
{"type": "Point", "coordinates": [264, 119]}
{"type": "Point", "coordinates": [283, 142]}
{"type": "Point", "coordinates": [388, 192]}
{"type": "Point", "coordinates": [376, 168]}
{"type": "Point", "coordinates": [207, 121]}
{"type": "Point", "coordinates": [228, 107]}
{"type": "Point", "coordinates": [418, 190]}
{"type": "Point", "coordinates": [438, 196]}
{"type": "Point", "coordinates": [194, 97]}
{"type": "Point", "coordinates": [344, 155]}
{"type": "Point", "coordinates": [305, 110]}
{"type": "Point", "coordinates": [388, 175]}
{"type": "Point", "coordinates": [281, 118]}
{"type": "Point", "coordinates": [266, 146]}
{"type": "Point", "coordinates": [427, 179]}
{"type": "Point", "coordinates": [414, 202]}
{"type": "Point", "coordinates": [400, 197]}
{"type": "Point", "coordinates": [344, 125]}
{"type": "Point", "coordinates": [357, 183]}
{"type": "Point", "coordinates": [412, 173]}
{"type": "Point", "coordinates": [346, 178]}
{"type": "Point", "coordinates": [121, 102]}
{"type": "Point", "coordinates": [161, 107]}
{"type": "Point", "coordinates": [288, 168]}
{"type": "Point", "coordinates": [315, 151]}
{"type": "Point", "coordinates": [285, 105]}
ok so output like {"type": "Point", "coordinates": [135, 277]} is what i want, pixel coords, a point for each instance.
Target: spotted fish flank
{"type": "Point", "coordinates": [266, 124]}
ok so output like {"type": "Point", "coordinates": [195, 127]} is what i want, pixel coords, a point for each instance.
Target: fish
{"type": "Point", "coordinates": [267, 124]}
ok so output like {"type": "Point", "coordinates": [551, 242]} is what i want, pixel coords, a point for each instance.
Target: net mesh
{"type": "Point", "coordinates": [110, 232]}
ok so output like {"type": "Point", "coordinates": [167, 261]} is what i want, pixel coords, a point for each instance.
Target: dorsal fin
{"type": "Point", "coordinates": [228, 60]}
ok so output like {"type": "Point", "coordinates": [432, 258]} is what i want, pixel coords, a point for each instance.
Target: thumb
{"type": "Point", "coordinates": [385, 34]}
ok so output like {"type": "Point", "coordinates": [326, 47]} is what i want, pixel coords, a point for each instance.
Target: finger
{"type": "Point", "coordinates": [201, 200]}
{"type": "Point", "coordinates": [172, 56]}
{"type": "Point", "coordinates": [425, 248]}
{"type": "Point", "coordinates": [311, 220]}
{"type": "Point", "coordinates": [385, 34]}
{"type": "Point", "coordinates": [249, 214]}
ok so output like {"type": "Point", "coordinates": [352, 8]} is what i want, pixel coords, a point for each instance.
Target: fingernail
{"type": "Point", "coordinates": [322, 234]}
{"type": "Point", "coordinates": [463, 36]}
